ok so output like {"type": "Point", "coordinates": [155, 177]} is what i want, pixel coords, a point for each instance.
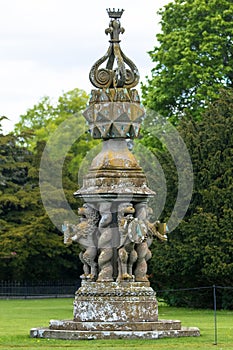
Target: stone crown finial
{"type": "Point", "coordinates": [114, 14]}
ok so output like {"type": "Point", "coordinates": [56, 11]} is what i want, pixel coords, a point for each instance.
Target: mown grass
{"type": "Point", "coordinates": [17, 317]}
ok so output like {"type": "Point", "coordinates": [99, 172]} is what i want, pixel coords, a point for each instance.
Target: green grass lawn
{"type": "Point", "coordinates": [17, 317]}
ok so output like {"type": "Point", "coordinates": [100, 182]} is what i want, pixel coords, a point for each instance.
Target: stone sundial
{"type": "Point", "coordinates": [115, 233]}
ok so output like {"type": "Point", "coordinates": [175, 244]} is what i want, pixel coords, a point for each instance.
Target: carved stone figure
{"type": "Point", "coordinates": [105, 243]}
{"type": "Point", "coordinates": [132, 231]}
{"type": "Point", "coordinates": [85, 233]}
{"type": "Point", "coordinates": [144, 213]}
{"type": "Point", "coordinates": [141, 248]}
{"type": "Point", "coordinates": [126, 252]}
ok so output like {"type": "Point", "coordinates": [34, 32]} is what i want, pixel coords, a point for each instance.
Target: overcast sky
{"type": "Point", "coordinates": [47, 47]}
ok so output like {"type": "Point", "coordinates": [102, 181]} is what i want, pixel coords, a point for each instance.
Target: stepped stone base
{"type": "Point", "coordinates": [82, 335]}
{"type": "Point", "coordinates": [111, 310]}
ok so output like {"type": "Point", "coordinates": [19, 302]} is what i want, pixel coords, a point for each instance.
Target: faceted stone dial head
{"type": "Point", "coordinates": [114, 114]}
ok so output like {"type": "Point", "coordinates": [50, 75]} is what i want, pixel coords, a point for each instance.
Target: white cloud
{"type": "Point", "coordinates": [49, 46]}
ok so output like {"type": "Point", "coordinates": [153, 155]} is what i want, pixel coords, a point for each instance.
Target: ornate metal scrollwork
{"type": "Point", "coordinates": [118, 75]}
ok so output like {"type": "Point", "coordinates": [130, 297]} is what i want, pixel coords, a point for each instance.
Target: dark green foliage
{"type": "Point", "coordinates": [200, 250]}
{"type": "Point", "coordinates": [191, 85]}
{"type": "Point", "coordinates": [32, 246]}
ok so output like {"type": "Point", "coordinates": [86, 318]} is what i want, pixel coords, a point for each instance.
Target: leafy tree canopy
{"type": "Point", "coordinates": [194, 57]}
{"type": "Point", "coordinates": [31, 246]}
{"type": "Point", "coordinates": [43, 118]}
{"type": "Point", "coordinates": [39, 124]}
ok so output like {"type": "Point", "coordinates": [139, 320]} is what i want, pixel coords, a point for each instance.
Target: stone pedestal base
{"type": "Point", "coordinates": [111, 310]}
{"type": "Point", "coordinates": [115, 302]}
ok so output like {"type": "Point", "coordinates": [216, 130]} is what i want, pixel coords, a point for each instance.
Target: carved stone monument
{"type": "Point", "coordinates": [115, 299]}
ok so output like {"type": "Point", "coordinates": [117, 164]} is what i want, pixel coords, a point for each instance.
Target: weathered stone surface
{"type": "Point", "coordinates": [115, 172]}
{"type": "Point", "coordinates": [114, 119]}
{"type": "Point", "coordinates": [115, 302]}
{"type": "Point", "coordinates": [112, 310]}
{"type": "Point", "coordinates": [88, 335]}
{"type": "Point", "coordinates": [114, 95]}
{"type": "Point", "coordinates": [115, 326]}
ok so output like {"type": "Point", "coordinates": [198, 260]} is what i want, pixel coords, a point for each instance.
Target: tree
{"type": "Point", "coordinates": [194, 58]}
{"type": "Point", "coordinates": [43, 118]}
{"type": "Point", "coordinates": [199, 252]}
{"type": "Point", "coordinates": [31, 246]}
{"type": "Point", "coordinates": [39, 124]}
